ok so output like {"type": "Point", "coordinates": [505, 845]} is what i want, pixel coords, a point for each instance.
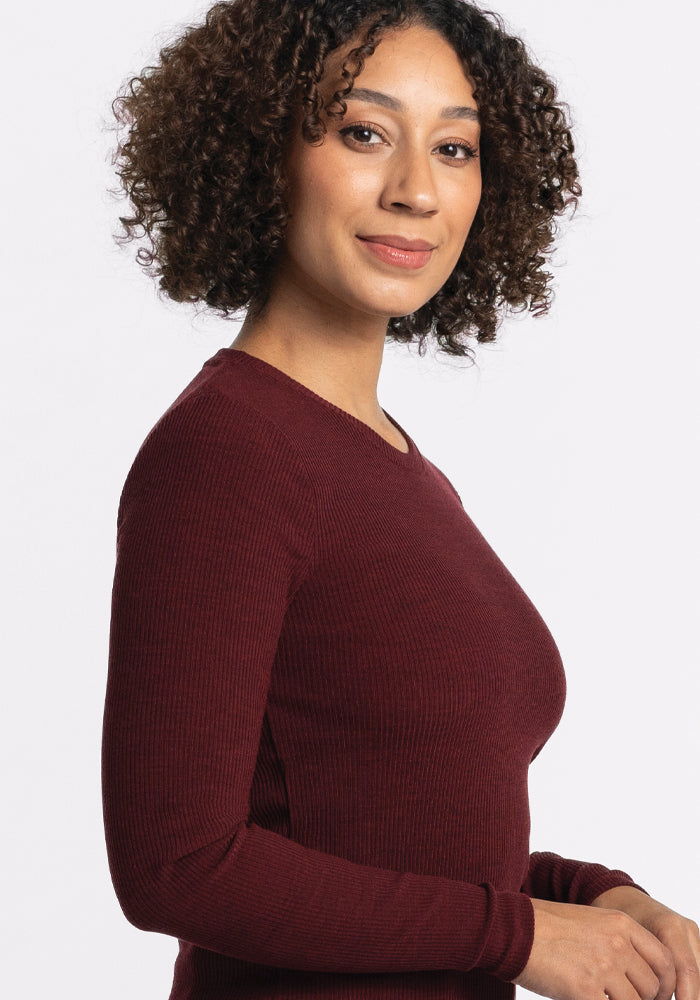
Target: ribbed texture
{"type": "Point", "coordinates": [324, 694]}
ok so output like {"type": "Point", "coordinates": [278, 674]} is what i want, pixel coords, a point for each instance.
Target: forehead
{"type": "Point", "coordinates": [414, 64]}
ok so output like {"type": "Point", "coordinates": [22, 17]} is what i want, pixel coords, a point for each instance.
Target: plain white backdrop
{"type": "Point", "coordinates": [573, 444]}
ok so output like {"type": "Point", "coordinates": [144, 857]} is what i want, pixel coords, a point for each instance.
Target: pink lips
{"type": "Point", "coordinates": [398, 250]}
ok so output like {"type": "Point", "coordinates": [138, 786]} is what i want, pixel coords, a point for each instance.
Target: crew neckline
{"type": "Point", "coordinates": [412, 457]}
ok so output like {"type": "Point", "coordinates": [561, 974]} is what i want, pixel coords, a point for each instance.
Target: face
{"type": "Point", "coordinates": [381, 210]}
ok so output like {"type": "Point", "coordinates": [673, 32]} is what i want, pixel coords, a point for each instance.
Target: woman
{"type": "Point", "coordinates": [325, 689]}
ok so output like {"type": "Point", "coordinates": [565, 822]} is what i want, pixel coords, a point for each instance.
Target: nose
{"type": "Point", "coordinates": [409, 183]}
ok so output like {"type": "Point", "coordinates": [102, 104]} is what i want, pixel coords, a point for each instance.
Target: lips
{"type": "Point", "coordinates": [399, 251]}
{"type": "Point", "coordinates": [399, 242]}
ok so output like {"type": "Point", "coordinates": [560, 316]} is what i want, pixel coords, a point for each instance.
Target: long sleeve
{"type": "Point", "coordinates": [564, 880]}
{"type": "Point", "coordinates": [216, 531]}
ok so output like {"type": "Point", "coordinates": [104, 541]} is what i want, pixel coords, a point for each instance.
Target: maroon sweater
{"type": "Point", "coordinates": [324, 694]}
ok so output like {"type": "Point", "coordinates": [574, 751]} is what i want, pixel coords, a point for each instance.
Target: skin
{"type": "Point", "coordinates": [624, 943]}
{"type": "Point", "coordinates": [326, 319]}
{"type": "Point", "coordinates": [325, 325]}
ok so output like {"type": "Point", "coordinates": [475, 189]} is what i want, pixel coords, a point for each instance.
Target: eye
{"type": "Point", "coordinates": [460, 151]}
{"type": "Point", "coordinates": [362, 134]}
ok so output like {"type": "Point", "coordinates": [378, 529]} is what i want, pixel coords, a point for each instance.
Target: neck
{"type": "Point", "coordinates": [335, 351]}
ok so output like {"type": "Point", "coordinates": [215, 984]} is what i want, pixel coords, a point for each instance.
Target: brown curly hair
{"type": "Point", "coordinates": [207, 129]}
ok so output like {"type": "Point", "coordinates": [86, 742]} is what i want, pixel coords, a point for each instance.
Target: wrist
{"type": "Point", "coordinates": [619, 896]}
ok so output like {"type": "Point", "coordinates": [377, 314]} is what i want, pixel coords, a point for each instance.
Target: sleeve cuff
{"type": "Point", "coordinates": [509, 936]}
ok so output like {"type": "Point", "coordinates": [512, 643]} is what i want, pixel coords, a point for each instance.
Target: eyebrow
{"type": "Point", "coordinates": [386, 101]}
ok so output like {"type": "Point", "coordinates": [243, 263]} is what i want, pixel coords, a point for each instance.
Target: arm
{"type": "Point", "coordinates": [563, 880]}
{"type": "Point", "coordinates": [216, 531]}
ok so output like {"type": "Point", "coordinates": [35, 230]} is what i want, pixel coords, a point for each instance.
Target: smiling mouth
{"type": "Point", "coordinates": [396, 250]}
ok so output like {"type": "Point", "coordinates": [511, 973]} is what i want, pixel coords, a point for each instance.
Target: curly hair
{"type": "Point", "coordinates": [207, 128]}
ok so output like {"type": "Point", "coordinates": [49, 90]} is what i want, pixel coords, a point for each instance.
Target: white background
{"type": "Point", "coordinates": [573, 444]}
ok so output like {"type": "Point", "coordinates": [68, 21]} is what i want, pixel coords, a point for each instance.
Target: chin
{"type": "Point", "coordinates": [403, 308]}
{"type": "Point", "coordinates": [395, 305]}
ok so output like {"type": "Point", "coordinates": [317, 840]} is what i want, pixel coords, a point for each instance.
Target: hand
{"type": "Point", "coordinates": [585, 952]}
{"type": "Point", "coordinates": [677, 933]}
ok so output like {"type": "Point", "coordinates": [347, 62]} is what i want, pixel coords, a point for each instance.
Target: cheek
{"type": "Point", "coordinates": [467, 200]}
{"type": "Point", "coordinates": [463, 206]}
{"type": "Point", "coordinates": [326, 189]}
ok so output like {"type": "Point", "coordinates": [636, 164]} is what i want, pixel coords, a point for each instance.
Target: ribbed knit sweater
{"type": "Point", "coordinates": [324, 693]}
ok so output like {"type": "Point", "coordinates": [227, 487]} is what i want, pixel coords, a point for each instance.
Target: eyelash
{"type": "Point", "coordinates": [470, 151]}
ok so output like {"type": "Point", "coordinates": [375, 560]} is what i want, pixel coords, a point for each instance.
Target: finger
{"type": "Point", "coordinates": [684, 952]}
{"type": "Point", "coordinates": [643, 978]}
{"type": "Point", "coordinates": [667, 982]}
{"type": "Point", "coordinates": [687, 978]}
{"type": "Point", "coordinates": [666, 974]}
{"type": "Point", "coordinates": [695, 945]}
{"type": "Point", "coordinates": [621, 988]}
{"type": "Point", "coordinates": [661, 959]}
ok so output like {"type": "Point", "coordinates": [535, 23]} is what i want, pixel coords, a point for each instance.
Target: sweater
{"type": "Point", "coordinates": [324, 693]}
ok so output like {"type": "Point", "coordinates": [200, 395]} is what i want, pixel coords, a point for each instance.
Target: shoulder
{"type": "Point", "coordinates": [215, 482]}
{"type": "Point", "coordinates": [209, 448]}
{"type": "Point", "coordinates": [215, 433]}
